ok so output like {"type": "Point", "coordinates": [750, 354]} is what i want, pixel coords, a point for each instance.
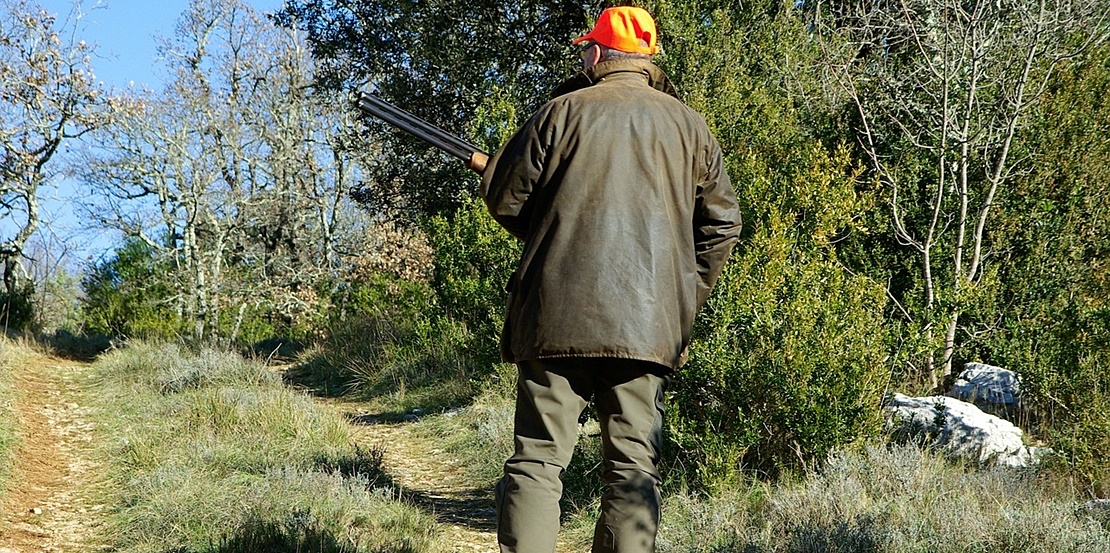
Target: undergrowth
{"type": "Point", "coordinates": [865, 499]}
{"type": "Point", "coordinates": [891, 500]}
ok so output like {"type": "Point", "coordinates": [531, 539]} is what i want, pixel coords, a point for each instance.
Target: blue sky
{"type": "Point", "coordinates": [125, 34]}
{"type": "Point", "coordinates": [125, 31]}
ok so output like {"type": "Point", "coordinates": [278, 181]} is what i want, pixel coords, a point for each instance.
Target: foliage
{"type": "Point", "coordinates": [439, 60]}
{"type": "Point", "coordinates": [474, 258]}
{"type": "Point", "coordinates": [938, 91]}
{"type": "Point", "coordinates": [400, 363]}
{"type": "Point", "coordinates": [125, 295]}
{"type": "Point", "coordinates": [190, 433]}
{"type": "Point", "coordinates": [17, 307]}
{"type": "Point", "coordinates": [788, 356]}
{"type": "Point", "coordinates": [423, 344]}
{"type": "Point", "coordinates": [1057, 329]}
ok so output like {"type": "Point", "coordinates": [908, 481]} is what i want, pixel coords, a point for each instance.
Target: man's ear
{"type": "Point", "coordinates": [593, 55]}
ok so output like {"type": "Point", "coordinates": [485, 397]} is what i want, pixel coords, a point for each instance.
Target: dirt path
{"type": "Point", "coordinates": [48, 508]}
{"type": "Point", "coordinates": [425, 476]}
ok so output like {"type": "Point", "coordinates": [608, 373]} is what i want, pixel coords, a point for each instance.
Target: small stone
{"type": "Point", "coordinates": [36, 511]}
{"type": "Point", "coordinates": [1101, 505]}
{"type": "Point", "coordinates": [418, 411]}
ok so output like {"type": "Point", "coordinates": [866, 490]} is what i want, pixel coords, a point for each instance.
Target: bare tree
{"type": "Point", "coordinates": [941, 89]}
{"type": "Point", "coordinates": [48, 95]}
{"type": "Point", "coordinates": [236, 171]}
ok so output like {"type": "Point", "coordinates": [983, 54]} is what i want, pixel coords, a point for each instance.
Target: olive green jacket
{"type": "Point", "coordinates": [620, 195]}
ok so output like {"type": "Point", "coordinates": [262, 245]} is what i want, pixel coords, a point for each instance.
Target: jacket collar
{"type": "Point", "coordinates": [656, 78]}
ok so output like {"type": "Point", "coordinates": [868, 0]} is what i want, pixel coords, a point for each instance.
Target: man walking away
{"type": "Point", "coordinates": [620, 195]}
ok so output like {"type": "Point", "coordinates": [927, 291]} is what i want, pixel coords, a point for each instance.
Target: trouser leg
{"type": "Point", "coordinates": [546, 428]}
{"type": "Point", "coordinates": [630, 408]}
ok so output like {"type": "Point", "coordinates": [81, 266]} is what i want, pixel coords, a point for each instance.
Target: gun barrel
{"type": "Point", "coordinates": [417, 127]}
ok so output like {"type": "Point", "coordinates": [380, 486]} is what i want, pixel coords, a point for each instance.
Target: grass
{"type": "Point", "coordinates": [480, 436]}
{"type": "Point", "coordinates": [891, 500]}
{"type": "Point", "coordinates": [212, 453]}
{"type": "Point", "coordinates": [11, 354]}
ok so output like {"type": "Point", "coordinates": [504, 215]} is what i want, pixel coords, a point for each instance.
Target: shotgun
{"type": "Point", "coordinates": [474, 157]}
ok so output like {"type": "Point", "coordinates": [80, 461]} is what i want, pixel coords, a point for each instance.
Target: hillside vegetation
{"type": "Point", "coordinates": [922, 185]}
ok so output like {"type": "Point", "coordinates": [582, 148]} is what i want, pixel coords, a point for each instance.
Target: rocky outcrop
{"type": "Point", "coordinates": [959, 429]}
{"type": "Point", "coordinates": [979, 383]}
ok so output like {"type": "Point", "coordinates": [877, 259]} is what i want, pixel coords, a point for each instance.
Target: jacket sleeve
{"type": "Point", "coordinates": [512, 174]}
{"type": "Point", "coordinates": [716, 222]}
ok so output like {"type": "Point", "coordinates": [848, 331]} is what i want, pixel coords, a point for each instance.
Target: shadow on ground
{"type": "Point", "coordinates": [473, 509]}
{"type": "Point", "coordinates": [299, 534]}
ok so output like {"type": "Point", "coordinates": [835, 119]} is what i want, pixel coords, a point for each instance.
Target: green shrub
{"type": "Point", "coordinates": [415, 344]}
{"type": "Point", "coordinates": [393, 344]}
{"type": "Point", "coordinates": [127, 295]}
{"type": "Point", "coordinates": [17, 308]}
{"type": "Point", "coordinates": [788, 358]}
{"type": "Point", "coordinates": [474, 258]}
{"type": "Point", "coordinates": [1054, 286]}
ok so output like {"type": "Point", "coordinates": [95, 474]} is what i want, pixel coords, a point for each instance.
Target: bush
{"type": "Point", "coordinates": [17, 308]}
{"type": "Point", "coordinates": [788, 357]}
{"type": "Point", "coordinates": [423, 344]}
{"type": "Point", "coordinates": [126, 295]}
{"type": "Point", "coordinates": [474, 258]}
{"type": "Point", "coordinates": [1056, 333]}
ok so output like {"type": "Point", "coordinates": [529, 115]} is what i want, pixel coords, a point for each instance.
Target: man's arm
{"type": "Point", "coordinates": [511, 175]}
{"type": "Point", "coordinates": [716, 223]}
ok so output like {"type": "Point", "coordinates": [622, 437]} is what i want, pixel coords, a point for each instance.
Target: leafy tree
{"type": "Point", "coordinates": [940, 91]}
{"type": "Point", "coordinates": [439, 60]}
{"type": "Point", "coordinates": [48, 97]}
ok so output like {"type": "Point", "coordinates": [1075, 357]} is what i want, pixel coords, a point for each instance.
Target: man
{"type": "Point", "coordinates": [620, 195]}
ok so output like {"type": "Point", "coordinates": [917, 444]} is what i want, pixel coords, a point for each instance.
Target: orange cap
{"type": "Point", "coordinates": [624, 28]}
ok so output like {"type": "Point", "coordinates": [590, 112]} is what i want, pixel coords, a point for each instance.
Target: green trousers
{"type": "Point", "coordinates": [551, 394]}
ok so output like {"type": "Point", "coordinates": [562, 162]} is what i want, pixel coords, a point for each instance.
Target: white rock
{"type": "Point", "coordinates": [994, 385]}
{"type": "Point", "coordinates": [959, 429]}
{"type": "Point", "coordinates": [1100, 505]}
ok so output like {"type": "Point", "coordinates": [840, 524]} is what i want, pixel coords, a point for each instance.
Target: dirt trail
{"type": "Point", "coordinates": [424, 475]}
{"type": "Point", "coordinates": [48, 507]}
